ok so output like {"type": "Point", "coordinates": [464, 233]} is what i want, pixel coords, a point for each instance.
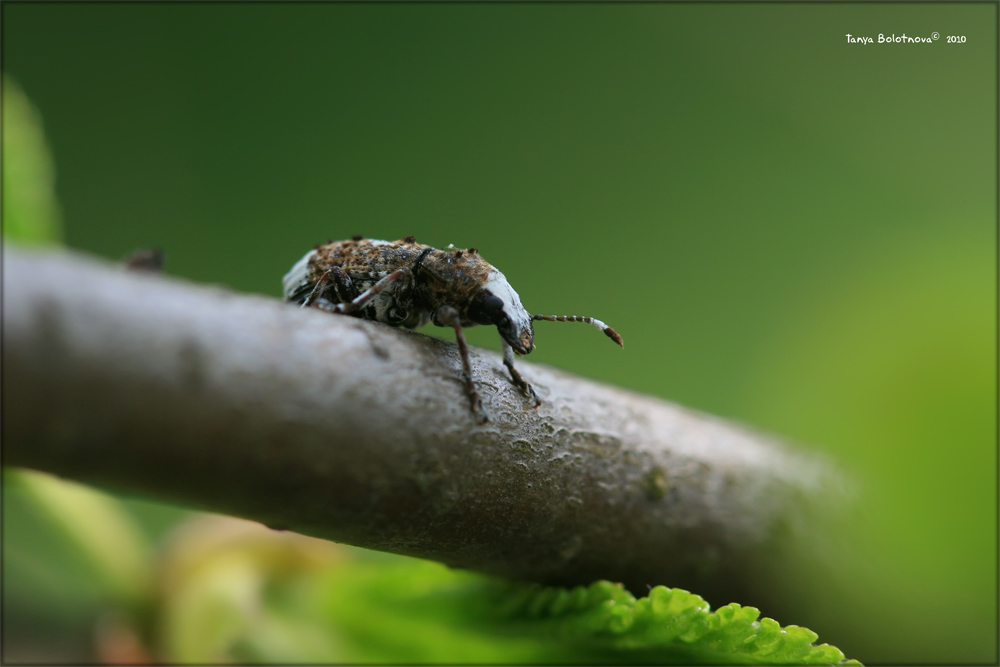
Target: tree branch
{"type": "Point", "coordinates": [360, 433]}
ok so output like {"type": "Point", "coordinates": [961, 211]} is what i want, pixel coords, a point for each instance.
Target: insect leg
{"type": "Point", "coordinates": [343, 289]}
{"type": "Point", "coordinates": [318, 289]}
{"type": "Point", "coordinates": [608, 331]}
{"type": "Point", "coordinates": [366, 296]}
{"type": "Point", "coordinates": [448, 316]}
{"type": "Point", "coordinates": [519, 382]}
{"type": "Point", "coordinates": [346, 291]}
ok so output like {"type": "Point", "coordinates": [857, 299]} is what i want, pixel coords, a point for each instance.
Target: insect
{"type": "Point", "coordinates": [405, 283]}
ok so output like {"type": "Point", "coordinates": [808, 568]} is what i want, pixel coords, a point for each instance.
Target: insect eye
{"type": "Point", "coordinates": [492, 306]}
{"type": "Point", "coordinates": [486, 309]}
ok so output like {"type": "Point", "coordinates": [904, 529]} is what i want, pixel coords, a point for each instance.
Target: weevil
{"type": "Point", "coordinates": [408, 284]}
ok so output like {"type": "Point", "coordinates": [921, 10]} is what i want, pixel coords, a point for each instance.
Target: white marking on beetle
{"type": "Point", "coordinates": [298, 275]}
{"type": "Point", "coordinates": [497, 285]}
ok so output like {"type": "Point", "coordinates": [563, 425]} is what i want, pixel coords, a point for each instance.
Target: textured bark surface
{"type": "Point", "coordinates": [356, 432]}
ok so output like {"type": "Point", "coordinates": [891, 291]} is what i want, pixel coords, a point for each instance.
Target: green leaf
{"type": "Point", "coordinates": [236, 591]}
{"type": "Point", "coordinates": [97, 529]}
{"type": "Point", "coordinates": [415, 603]}
{"type": "Point", "coordinates": [30, 210]}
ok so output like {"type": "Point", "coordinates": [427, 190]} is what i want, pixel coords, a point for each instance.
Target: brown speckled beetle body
{"type": "Point", "coordinates": [405, 283]}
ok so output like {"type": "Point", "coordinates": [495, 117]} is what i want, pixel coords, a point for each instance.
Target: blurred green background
{"type": "Point", "coordinates": [787, 229]}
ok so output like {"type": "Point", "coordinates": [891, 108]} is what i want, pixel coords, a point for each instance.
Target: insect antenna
{"type": "Point", "coordinates": [608, 331]}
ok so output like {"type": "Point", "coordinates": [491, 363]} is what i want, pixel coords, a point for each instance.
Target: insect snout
{"type": "Point", "coordinates": [519, 336]}
{"type": "Point", "coordinates": [525, 343]}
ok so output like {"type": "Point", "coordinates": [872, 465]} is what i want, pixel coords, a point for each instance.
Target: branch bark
{"type": "Point", "coordinates": [360, 433]}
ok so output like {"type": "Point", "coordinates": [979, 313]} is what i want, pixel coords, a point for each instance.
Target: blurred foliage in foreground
{"type": "Point", "coordinates": [30, 211]}
{"type": "Point", "coordinates": [232, 591]}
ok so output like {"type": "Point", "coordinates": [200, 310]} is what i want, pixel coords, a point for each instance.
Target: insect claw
{"type": "Point", "coordinates": [481, 416]}
{"type": "Point", "coordinates": [532, 395]}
